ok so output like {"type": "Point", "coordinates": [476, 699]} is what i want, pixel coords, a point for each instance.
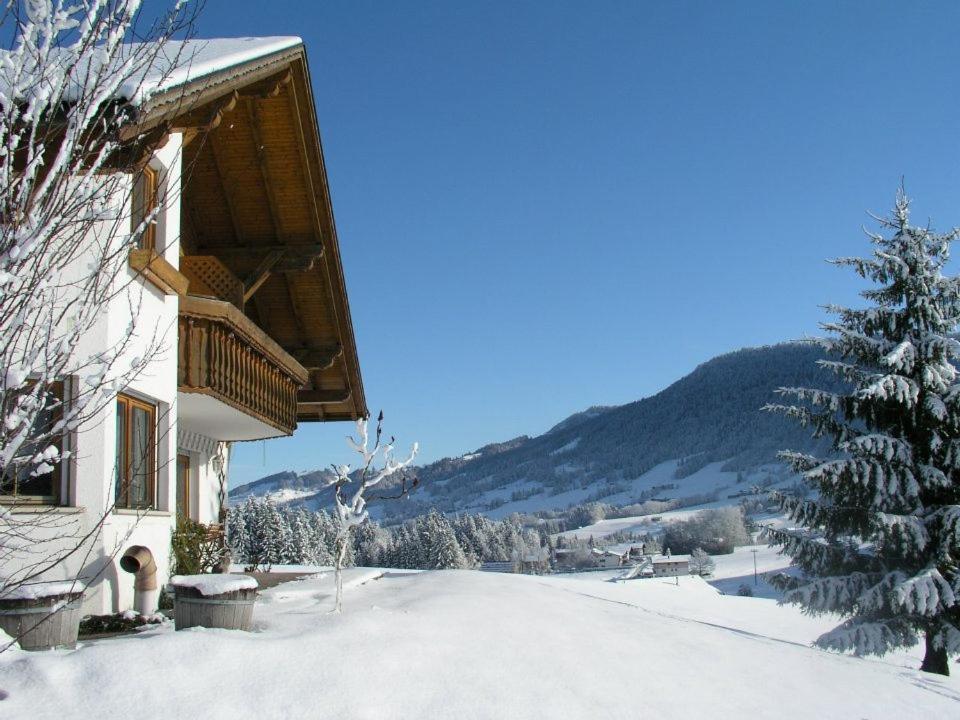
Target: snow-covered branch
{"type": "Point", "coordinates": [68, 167]}
{"type": "Point", "coordinates": [351, 487]}
{"type": "Point", "coordinates": [878, 543]}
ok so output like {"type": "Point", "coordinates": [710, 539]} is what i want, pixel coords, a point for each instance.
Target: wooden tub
{"type": "Point", "coordinates": [43, 623]}
{"type": "Point", "coordinates": [199, 607]}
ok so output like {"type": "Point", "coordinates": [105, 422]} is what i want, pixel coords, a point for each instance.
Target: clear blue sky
{"type": "Point", "coordinates": [544, 206]}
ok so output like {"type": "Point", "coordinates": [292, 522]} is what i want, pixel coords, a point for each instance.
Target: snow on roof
{"type": "Point", "coordinates": [175, 62]}
{"type": "Point", "coordinates": [602, 551]}
{"type": "Point", "coordinates": [215, 584]}
{"type": "Point", "coordinates": [35, 591]}
{"type": "Point", "coordinates": [670, 558]}
{"type": "Point", "coordinates": [180, 62]}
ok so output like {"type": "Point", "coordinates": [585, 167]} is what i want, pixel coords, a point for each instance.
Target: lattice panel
{"type": "Point", "coordinates": [209, 276]}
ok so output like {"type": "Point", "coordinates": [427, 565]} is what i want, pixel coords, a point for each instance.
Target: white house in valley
{"type": "Point", "coordinates": [241, 274]}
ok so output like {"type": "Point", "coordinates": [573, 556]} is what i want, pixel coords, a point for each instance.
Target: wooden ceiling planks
{"type": "Point", "coordinates": [255, 184]}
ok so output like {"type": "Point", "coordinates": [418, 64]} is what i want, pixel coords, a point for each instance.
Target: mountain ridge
{"type": "Point", "coordinates": [711, 415]}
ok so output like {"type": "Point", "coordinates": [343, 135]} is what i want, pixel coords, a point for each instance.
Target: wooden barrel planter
{"type": "Point", "coordinates": [43, 616]}
{"type": "Point", "coordinates": [214, 601]}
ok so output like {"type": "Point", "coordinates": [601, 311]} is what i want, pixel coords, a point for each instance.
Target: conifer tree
{"type": "Point", "coordinates": [442, 549]}
{"type": "Point", "coordinates": [237, 532]}
{"type": "Point", "coordinates": [880, 540]}
{"type": "Point", "coordinates": [299, 550]}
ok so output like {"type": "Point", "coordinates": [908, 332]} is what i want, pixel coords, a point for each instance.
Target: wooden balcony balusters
{"type": "Point", "coordinates": [225, 355]}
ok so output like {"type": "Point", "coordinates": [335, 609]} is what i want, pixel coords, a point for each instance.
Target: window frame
{"type": "Point", "coordinates": [58, 388]}
{"type": "Point", "coordinates": [144, 200]}
{"type": "Point", "coordinates": [184, 472]}
{"type": "Point", "coordinates": [122, 490]}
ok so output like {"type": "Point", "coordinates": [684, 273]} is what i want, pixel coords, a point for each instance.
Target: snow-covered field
{"type": "Point", "coordinates": [464, 644]}
{"type": "Point", "coordinates": [737, 569]}
{"type": "Point", "coordinates": [639, 524]}
{"type": "Point", "coordinates": [709, 479]}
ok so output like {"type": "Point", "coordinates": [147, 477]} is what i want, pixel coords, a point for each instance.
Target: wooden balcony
{"type": "Point", "coordinates": [224, 355]}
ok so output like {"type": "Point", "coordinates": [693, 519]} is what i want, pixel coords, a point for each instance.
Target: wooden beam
{"type": "Point", "coordinates": [305, 162]}
{"type": "Point", "coordinates": [314, 198]}
{"type": "Point", "coordinates": [269, 87]}
{"type": "Point", "coordinates": [323, 397]}
{"type": "Point", "coordinates": [155, 268]}
{"type": "Point", "coordinates": [289, 250]}
{"type": "Point", "coordinates": [303, 120]}
{"type": "Point", "coordinates": [295, 306]}
{"type": "Point", "coordinates": [225, 186]}
{"type": "Point", "coordinates": [206, 119]}
{"type": "Point", "coordinates": [137, 152]}
{"type": "Point", "coordinates": [256, 127]}
{"type": "Point", "coordinates": [259, 276]}
{"type": "Point", "coordinates": [316, 358]}
{"type": "Point", "coordinates": [189, 135]}
{"type": "Point", "coordinates": [196, 226]}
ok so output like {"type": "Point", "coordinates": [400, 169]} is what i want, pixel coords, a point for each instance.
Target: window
{"type": "Point", "coordinates": [144, 202]}
{"type": "Point", "coordinates": [136, 456]}
{"type": "Point", "coordinates": [183, 485]}
{"type": "Point", "coordinates": [23, 484]}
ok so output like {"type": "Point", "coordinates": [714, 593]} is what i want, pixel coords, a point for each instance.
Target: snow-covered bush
{"type": "Point", "coordinates": [196, 548]}
{"type": "Point", "coordinates": [717, 531]}
{"type": "Point", "coordinates": [880, 539]}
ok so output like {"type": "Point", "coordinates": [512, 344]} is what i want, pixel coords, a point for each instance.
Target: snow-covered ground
{"type": "Point", "coordinates": [636, 524]}
{"type": "Point", "coordinates": [737, 569]}
{"type": "Point", "coordinates": [709, 479]}
{"type": "Point", "coordinates": [464, 644]}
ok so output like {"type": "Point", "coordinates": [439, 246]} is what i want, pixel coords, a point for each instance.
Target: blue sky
{"type": "Point", "coordinates": [545, 205]}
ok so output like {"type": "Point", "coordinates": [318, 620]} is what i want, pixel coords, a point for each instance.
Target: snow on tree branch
{"type": "Point", "coordinates": [351, 488]}
{"type": "Point", "coordinates": [878, 543]}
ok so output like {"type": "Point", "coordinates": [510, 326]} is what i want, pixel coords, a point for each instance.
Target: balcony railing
{"type": "Point", "coordinates": [225, 355]}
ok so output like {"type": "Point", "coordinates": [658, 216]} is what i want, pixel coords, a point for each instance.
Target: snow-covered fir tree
{"type": "Point", "coordinates": [880, 541]}
{"type": "Point", "coordinates": [263, 534]}
{"type": "Point", "coordinates": [371, 544]}
{"type": "Point", "coordinates": [442, 549]}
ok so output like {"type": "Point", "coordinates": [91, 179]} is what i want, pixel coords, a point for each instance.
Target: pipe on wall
{"type": "Point", "coordinates": [139, 561]}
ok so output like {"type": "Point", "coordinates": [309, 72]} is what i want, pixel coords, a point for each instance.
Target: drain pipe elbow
{"type": "Point", "coordinates": [139, 561]}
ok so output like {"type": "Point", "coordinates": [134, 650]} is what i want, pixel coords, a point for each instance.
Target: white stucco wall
{"type": "Point", "coordinates": [204, 478]}
{"type": "Point", "coordinates": [90, 490]}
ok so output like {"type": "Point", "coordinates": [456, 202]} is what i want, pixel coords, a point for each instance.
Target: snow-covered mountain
{"type": "Point", "coordinates": [709, 423]}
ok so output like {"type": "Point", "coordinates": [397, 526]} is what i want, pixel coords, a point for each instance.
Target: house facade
{"type": "Point", "coordinates": [604, 558]}
{"type": "Point", "coordinates": [670, 565]}
{"type": "Point", "coordinates": [240, 278]}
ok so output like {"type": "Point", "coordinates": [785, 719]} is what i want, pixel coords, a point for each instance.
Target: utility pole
{"type": "Point", "coordinates": [755, 580]}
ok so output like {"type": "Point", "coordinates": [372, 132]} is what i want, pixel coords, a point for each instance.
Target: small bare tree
{"type": "Point", "coordinates": [701, 563]}
{"type": "Point", "coordinates": [351, 507]}
{"type": "Point", "coordinates": [68, 166]}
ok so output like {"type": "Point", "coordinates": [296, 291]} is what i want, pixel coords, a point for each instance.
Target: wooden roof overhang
{"type": "Point", "coordinates": [256, 198]}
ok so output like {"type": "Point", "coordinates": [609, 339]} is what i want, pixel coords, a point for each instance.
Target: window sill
{"type": "Point", "coordinates": [141, 513]}
{"type": "Point", "coordinates": [36, 508]}
{"type": "Point", "coordinates": [156, 270]}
